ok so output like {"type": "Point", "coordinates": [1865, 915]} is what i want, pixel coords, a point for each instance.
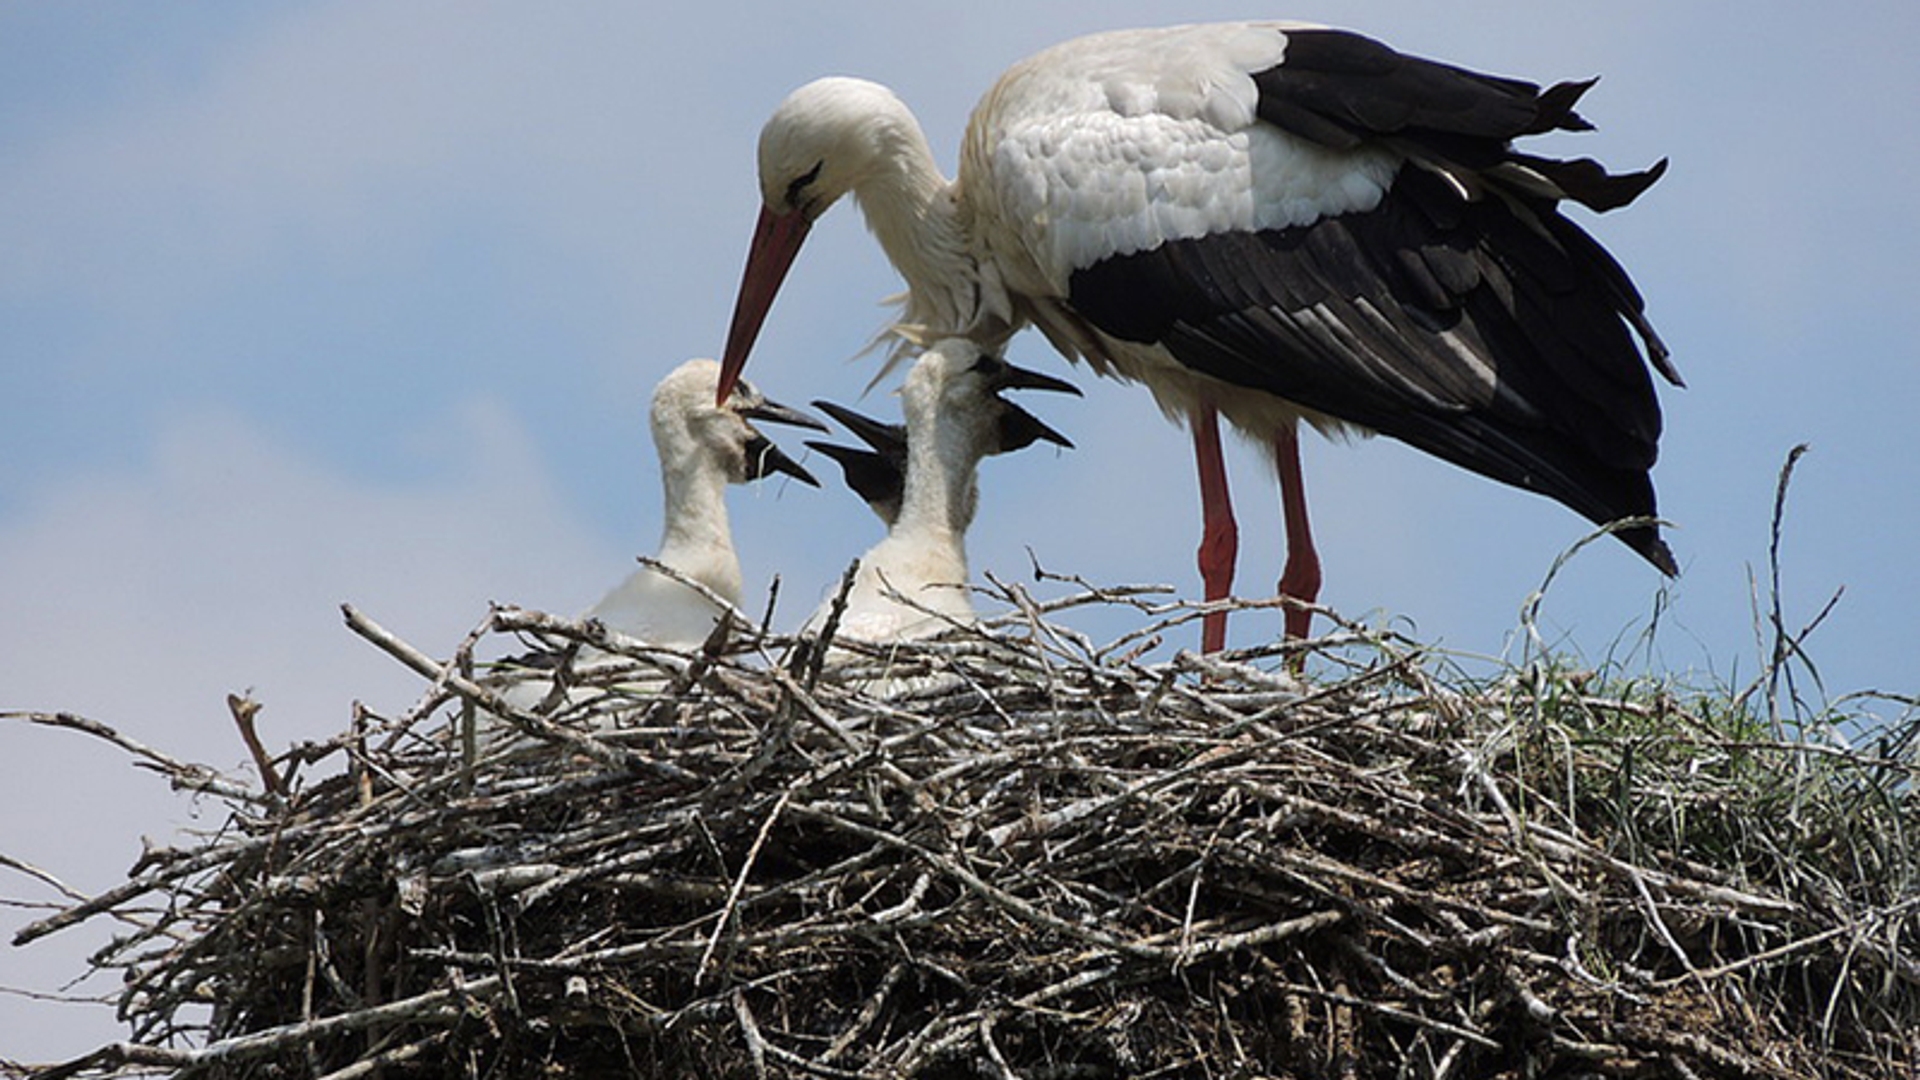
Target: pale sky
{"type": "Point", "coordinates": [309, 303]}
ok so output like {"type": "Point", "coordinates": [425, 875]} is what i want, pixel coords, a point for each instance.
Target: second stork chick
{"type": "Point", "coordinates": [922, 480]}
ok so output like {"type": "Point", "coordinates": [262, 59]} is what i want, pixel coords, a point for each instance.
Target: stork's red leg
{"type": "Point", "coordinates": [1220, 540]}
{"type": "Point", "coordinates": [1301, 578]}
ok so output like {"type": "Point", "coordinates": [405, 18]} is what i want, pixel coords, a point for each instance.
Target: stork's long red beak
{"type": "Point", "coordinates": [776, 240]}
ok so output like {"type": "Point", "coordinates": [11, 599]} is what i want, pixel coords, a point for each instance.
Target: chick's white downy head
{"type": "Point", "coordinates": [951, 398]}
{"type": "Point", "coordinates": [691, 432]}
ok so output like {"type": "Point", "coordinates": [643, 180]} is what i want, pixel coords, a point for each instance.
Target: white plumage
{"type": "Point", "coordinates": [914, 583]}
{"type": "Point", "coordinates": [1268, 221]}
{"type": "Point", "coordinates": [703, 448]}
{"type": "Point", "coordinates": [1116, 143]}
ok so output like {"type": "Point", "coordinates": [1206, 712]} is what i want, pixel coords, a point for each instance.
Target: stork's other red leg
{"type": "Point", "coordinates": [1220, 540]}
{"type": "Point", "coordinates": [1301, 578]}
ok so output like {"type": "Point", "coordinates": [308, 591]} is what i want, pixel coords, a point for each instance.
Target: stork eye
{"type": "Point", "coordinates": [801, 183]}
{"type": "Point", "coordinates": [989, 364]}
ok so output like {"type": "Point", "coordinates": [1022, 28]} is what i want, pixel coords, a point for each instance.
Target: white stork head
{"type": "Point", "coordinates": [955, 398]}
{"type": "Point", "coordinates": [913, 582]}
{"type": "Point", "coordinates": [826, 138]}
{"type": "Point", "coordinates": [831, 137]}
{"type": "Point", "coordinates": [691, 432]}
{"type": "Point", "coordinates": [951, 399]}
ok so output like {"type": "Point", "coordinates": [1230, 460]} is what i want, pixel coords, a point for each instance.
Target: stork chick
{"type": "Point", "coordinates": [913, 583]}
{"type": "Point", "coordinates": [703, 448]}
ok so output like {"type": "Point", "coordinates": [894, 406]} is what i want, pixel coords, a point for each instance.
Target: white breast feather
{"type": "Point", "coordinates": [929, 572]}
{"type": "Point", "coordinates": [660, 611]}
{"type": "Point", "coordinates": [1117, 143]}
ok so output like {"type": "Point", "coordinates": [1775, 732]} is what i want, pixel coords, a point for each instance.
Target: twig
{"type": "Point", "coordinates": [244, 708]}
{"type": "Point", "coordinates": [532, 723]}
{"type": "Point", "coordinates": [184, 775]}
{"type": "Point", "coordinates": [739, 883]}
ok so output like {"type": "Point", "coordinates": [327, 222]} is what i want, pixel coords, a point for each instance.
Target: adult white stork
{"type": "Point", "coordinates": [913, 583]}
{"type": "Point", "coordinates": [1269, 221]}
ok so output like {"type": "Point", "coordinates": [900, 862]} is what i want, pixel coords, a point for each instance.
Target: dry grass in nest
{"type": "Point", "coordinates": [1054, 859]}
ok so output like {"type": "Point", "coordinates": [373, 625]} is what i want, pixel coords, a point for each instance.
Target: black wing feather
{"type": "Point", "coordinates": [1365, 316]}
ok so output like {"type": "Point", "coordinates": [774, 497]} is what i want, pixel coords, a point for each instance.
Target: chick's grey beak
{"type": "Point", "coordinates": [888, 439]}
{"type": "Point", "coordinates": [764, 459]}
{"type": "Point", "coordinates": [1020, 429]}
{"type": "Point", "coordinates": [775, 413]}
{"type": "Point", "coordinates": [874, 476]}
{"type": "Point", "coordinates": [1019, 378]}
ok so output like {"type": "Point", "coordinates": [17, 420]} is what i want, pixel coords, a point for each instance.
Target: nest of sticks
{"type": "Point", "coordinates": [1036, 857]}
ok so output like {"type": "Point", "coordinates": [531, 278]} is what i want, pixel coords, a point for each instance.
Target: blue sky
{"type": "Point", "coordinates": [311, 303]}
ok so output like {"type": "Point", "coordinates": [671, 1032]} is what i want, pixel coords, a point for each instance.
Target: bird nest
{"type": "Point", "coordinates": [1036, 857]}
